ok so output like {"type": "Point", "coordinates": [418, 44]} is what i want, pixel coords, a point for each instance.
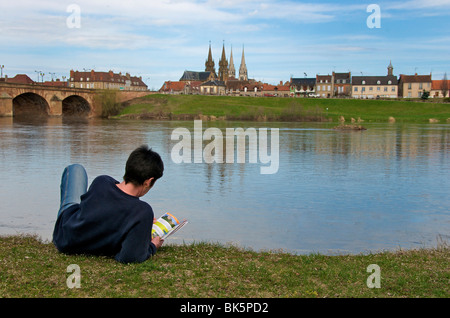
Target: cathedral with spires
{"type": "Point", "coordinates": [212, 81]}
{"type": "Point", "coordinates": [226, 68]}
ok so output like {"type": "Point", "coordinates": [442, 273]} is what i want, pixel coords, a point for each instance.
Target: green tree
{"type": "Point", "coordinates": [108, 100]}
{"type": "Point", "coordinates": [444, 86]}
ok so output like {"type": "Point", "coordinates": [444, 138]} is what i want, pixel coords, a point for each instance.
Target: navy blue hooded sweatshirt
{"type": "Point", "coordinates": [107, 222]}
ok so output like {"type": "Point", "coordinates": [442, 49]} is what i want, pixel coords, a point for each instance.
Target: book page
{"type": "Point", "coordinates": [165, 225]}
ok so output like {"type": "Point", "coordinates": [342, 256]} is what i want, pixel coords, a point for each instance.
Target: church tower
{"type": "Point", "coordinates": [231, 70]}
{"type": "Point", "coordinates": [390, 69]}
{"type": "Point", "coordinates": [223, 66]}
{"type": "Point", "coordinates": [243, 76]}
{"type": "Point", "coordinates": [209, 64]}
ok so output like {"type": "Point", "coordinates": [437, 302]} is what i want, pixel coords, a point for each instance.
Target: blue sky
{"type": "Point", "coordinates": [159, 40]}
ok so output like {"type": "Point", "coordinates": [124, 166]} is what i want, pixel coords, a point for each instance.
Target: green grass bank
{"type": "Point", "coordinates": [31, 268]}
{"type": "Point", "coordinates": [158, 106]}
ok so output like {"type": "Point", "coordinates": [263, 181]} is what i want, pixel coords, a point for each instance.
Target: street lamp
{"type": "Point", "coordinates": [1, 67]}
{"type": "Point", "coordinates": [38, 73]}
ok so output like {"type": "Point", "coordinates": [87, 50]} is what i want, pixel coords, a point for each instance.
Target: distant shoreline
{"type": "Point", "coordinates": [211, 108]}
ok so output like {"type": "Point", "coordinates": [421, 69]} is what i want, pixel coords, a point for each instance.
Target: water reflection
{"type": "Point", "coordinates": [335, 191]}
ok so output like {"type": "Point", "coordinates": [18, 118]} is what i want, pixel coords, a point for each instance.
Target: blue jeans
{"type": "Point", "coordinates": [73, 185]}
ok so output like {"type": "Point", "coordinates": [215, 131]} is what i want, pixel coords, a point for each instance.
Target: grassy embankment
{"type": "Point", "coordinates": [31, 268]}
{"type": "Point", "coordinates": [159, 106]}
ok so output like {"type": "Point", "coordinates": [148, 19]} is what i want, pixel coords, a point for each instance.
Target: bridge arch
{"type": "Point", "coordinates": [75, 105]}
{"type": "Point", "coordinates": [30, 104]}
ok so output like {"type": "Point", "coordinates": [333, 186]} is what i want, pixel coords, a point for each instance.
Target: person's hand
{"type": "Point", "coordinates": [157, 241]}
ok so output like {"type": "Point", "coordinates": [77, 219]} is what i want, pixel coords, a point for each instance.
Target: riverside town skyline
{"type": "Point", "coordinates": [157, 41]}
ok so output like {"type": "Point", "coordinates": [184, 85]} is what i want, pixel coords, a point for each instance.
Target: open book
{"type": "Point", "coordinates": [166, 225]}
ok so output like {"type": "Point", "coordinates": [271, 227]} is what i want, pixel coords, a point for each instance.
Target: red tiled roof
{"type": "Point", "coordinates": [414, 78]}
{"type": "Point", "coordinates": [169, 86]}
{"type": "Point", "coordinates": [76, 76]}
{"type": "Point", "coordinates": [55, 83]}
{"type": "Point", "coordinates": [283, 88]}
{"type": "Point", "coordinates": [270, 87]}
{"type": "Point", "coordinates": [437, 84]}
{"type": "Point", "coordinates": [20, 79]}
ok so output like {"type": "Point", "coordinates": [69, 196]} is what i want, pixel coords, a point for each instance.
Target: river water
{"type": "Point", "coordinates": [334, 192]}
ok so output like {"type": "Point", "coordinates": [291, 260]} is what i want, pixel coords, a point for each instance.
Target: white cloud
{"type": "Point", "coordinates": [168, 36]}
{"type": "Point", "coordinates": [418, 4]}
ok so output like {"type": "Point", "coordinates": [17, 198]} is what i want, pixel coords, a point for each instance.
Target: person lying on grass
{"type": "Point", "coordinates": [109, 219]}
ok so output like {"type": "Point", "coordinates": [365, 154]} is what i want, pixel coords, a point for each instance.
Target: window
{"type": "Point", "coordinates": [389, 82]}
{"type": "Point", "coordinates": [378, 88]}
{"type": "Point", "coordinates": [420, 86]}
{"type": "Point", "coordinates": [409, 87]}
{"type": "Point", "coordinates": [378, 82]}
{"type": "Point", "coordinates": [81, 79]}
{"type": "Point", "coordinates": [356, 88]}
{"type": "Point", "coordinates": [385, 89]}
{"type": "Point", "coordinates": [363, 82]}
{"type": "Point", "coordinates": [363, 89]}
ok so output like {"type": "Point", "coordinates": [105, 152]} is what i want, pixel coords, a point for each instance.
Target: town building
{"type": "Point", "coordinates": [413, 86]}
{"type": "Point", "coordinates": [214, 87]}
{"type": "Point", "coordinates": [18, 79]}
{"type": "Point", "coordinates": [369, 87]}
{"type": "Point", "coordinates": [342, 84]}
{"type": "Point", "coordinates": [440, 88]}
{"type": "Point", "coordinates": [324, 86]}
{"type": "Point", "coordinates": [189, 76]}
{"type": "Point", "coordinates": [106, 80]}
{"type": "Point", "coordinates": [56, 83]}
{"type": "Point", "coordinates": [303, 87]}
{"type": "Point", "coordinates": [280, 90]}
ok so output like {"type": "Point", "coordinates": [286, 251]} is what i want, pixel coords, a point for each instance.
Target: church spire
{"type": "Point", "coordinates": [243, 76]}
{"type": "Point", "coordinates": [390, 69]}
{"type": "Point", "coordinates": [223, 66]}
{"type": "Point", "coordinates": [231, 70]}
{"type": "Point", "coordinates": [209, 64]}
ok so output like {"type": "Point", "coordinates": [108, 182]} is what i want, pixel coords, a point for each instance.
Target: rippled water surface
{"type": "Point", "coordinates": [335, 192]}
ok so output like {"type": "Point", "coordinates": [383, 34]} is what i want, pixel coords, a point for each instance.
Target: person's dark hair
{"type": "Point", "coordinates": [142, 164]}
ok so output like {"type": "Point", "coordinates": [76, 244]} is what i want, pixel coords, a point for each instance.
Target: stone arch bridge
{"type": "Point", "coordinates": [26, 99]}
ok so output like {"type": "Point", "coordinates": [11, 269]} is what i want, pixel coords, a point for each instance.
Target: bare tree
{"type": "Point", "coordinates": [444, 86]}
